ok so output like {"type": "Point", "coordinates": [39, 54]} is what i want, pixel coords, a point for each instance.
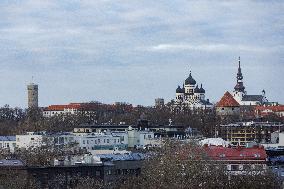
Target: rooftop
{"type": "Point", "coordinates": [227, 101]}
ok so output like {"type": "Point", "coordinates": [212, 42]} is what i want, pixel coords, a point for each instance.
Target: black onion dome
{"type": "Point", "coordinates": [201, 90]}
{"type": "Point", "coordinates": [190, 80]}
{"type": "Point", "coordinates": [179, 90]}
{"type": "Point", "coordinates": [196, 90]}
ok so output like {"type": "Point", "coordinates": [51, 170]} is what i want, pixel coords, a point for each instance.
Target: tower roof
{"type": "Point", "coordinates": [196, 90]}
{"type": "Point", "coordinates": [179, 90]}
{"type": "Point", "coordinates": [227, 101]}
{"type": "Point", "coordinates": [190, 80]}
{"type": "Point", "coordinates": [201, 90]}
{"type": "Point", "coordinates": [239, 86]}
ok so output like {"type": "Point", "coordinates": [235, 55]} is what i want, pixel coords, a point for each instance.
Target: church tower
{"type": "Point", "coordinates": [239, 89]}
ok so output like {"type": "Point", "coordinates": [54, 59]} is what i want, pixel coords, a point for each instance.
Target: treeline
{"type": "Point", "coordinates": [16, 121]}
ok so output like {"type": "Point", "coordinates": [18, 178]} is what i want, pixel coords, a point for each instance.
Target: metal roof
{"type": "Point", "coordinates": [11, 162]}
{"type": "Point", "coordinates": [123, 157]}
{"type": "Point", "coordinates": [7, 138]}
{"type": "Point", "coordinates": [258, 98]}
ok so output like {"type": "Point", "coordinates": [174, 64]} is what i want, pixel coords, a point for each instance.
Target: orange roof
{"type": "Point", "coordinates": [227, 101]}
{"type": "Point", "coordinates": [279, 108]}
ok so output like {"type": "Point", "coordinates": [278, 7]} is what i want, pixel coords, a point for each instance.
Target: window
{"type": "Point", "coordinates": [98, 173]}
{"type": "Point", "coordinates": [222, 108]}
{"type": "Point", "coordinates": [107, 140]}
{"type": "Point", "coordinates": [99, 140]}
{"type": "Point", "coordinates": [234, 167]}
{"type": "Point", "coordinates": [108, 172]}
{"type": "Point", "coordinates": [114, 140]}
{"type": "Point", "coordinates": [83, 141]}
{"type": "Point", "coordinates": [246, 167]}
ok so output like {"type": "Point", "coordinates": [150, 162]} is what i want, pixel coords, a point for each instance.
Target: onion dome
{"type": "Point", "coordinates": [201, 90]}
{"type": "Point", "coordinates": [196, 90]}
{"type": "Point", "coordinates": [190, 80]}
{"type": "Point", "coordinates": [179, 90]}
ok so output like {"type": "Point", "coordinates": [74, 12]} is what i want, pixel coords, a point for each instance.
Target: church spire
{"type": "Point", "coordinates": [239, 86]}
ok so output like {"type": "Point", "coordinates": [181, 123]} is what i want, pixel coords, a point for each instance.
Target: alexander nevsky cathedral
{"type": "Point", "coordinates": [191, 95]}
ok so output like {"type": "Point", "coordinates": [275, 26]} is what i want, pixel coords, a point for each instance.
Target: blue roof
{"type": "Point", "coordinates": [276, 159]}
{"type": "Point", "coordinates": [11, 162]}
{"type": "Point", "coordinates": [7, 138]}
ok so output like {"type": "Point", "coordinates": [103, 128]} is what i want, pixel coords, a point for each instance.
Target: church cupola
{"type": "Point", "coordinates": [179, 90]}
{"type": "Point", "coordinates": [201, 90]}
{"type": "Point", "coordinates": [196, 90]}
{"type": "Point", "coordinates": [190, 80]}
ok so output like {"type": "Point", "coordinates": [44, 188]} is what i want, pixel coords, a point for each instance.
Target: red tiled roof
{"type": "Point", "coordinates": [279, 108]}
{"type": "Point", "coordinates": [87, 107]}
{"type": "Point", "coordinates": [224, 153]}
{"type": "Point", "coordinates": [227, 101]}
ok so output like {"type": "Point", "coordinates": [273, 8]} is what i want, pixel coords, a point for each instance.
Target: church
{"type": "Point", "coordinates": [191, 96]}
{"type": "Point", "coordinates": [241, 96]}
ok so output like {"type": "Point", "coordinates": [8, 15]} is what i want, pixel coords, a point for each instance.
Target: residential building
{"type": "Point", "coordinates": [29, 140]}
{"type": "Point", "coordinates": [8, 143]}
{"type": "Point", "coordinates": [100, 141]}
{"type": "Point", "coordinates": [239, 161]}
{"type": "Point", "coordinates": [263, 111]}
{"type": "Point", "coordinates": [241, 133]}
{"type": "Point", "coordinates": [86, 108]}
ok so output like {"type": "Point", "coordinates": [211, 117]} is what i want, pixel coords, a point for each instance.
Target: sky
{"type": "Point", "coordinates": [135, 51]}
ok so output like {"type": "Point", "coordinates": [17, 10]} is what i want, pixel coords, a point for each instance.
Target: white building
{"type": "Point", "coordinates": [100, 141]}
{"type": "Point", "coordinates": [8, 143]}
{"type": "Point", "coordinates": [191, 96]}
{"type": "Point", "coordinates": [39, 139]}
{"type": "Point", "coordinates": [139, 138]}
{"type": "Point", "coordinates": [30, 140]}
{"type": "Point", "coordinates": [241, 96]}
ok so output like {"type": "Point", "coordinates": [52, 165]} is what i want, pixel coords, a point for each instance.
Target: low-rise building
{"type": "Point", "coordinates": [263, 111]}
{"type": "Point", "coordinates": [241, 133]}
{"type": "Point", "coordinates": [8, 143]}
{"type": "Point", "coordinates": [29, 140]}
{"type": "Point", "coordinates": [100, 141]}
{"type": "Point", "coordinates": [239, 161]}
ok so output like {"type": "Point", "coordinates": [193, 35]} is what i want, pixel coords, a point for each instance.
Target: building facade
{"type": "Point", "coordinates": [8, 143]}
{"type": "Point", "coordinates": [242, 133]}
{"type": "Point", "coordinates": [241, 96]}
{"type": "Point", "coordinates": [32, 95]}
{"type": "Point", "coordinates": [191, 96]}
{"type": "Point", "coordinates": [228, 106]}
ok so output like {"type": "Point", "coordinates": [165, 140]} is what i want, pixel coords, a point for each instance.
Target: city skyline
{"type": "Point", "coordinates": [110, 51]}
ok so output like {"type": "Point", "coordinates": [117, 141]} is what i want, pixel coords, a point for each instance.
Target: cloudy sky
{"type": "Point", "coordinates": [135, 51]}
